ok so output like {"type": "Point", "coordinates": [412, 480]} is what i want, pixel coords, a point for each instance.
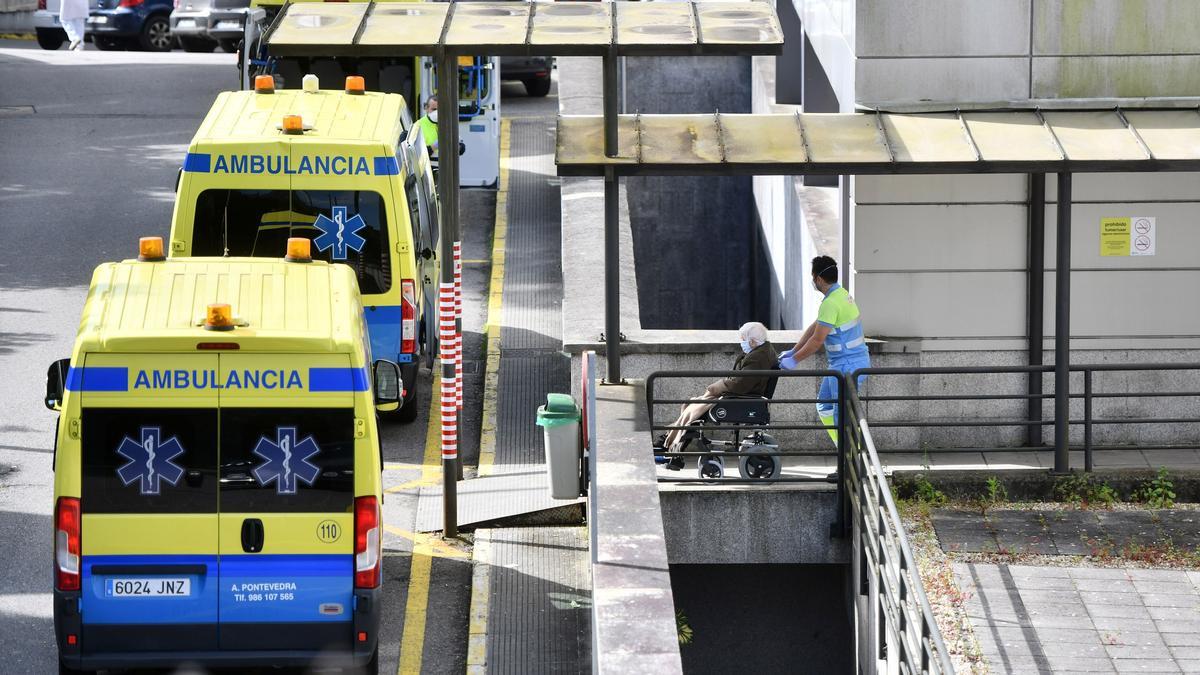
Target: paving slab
{"type": "Point", "coordinates": [1042, 619]}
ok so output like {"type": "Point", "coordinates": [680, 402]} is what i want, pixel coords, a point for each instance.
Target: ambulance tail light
{"type": "Point", "coordinates": [408, 317]}
{"type": "Point", "coordinates": [67, 548]}
{"type": "Point", "coordinates": [42, 4]}
{"type": "Point", "coordinates": [367, 543]}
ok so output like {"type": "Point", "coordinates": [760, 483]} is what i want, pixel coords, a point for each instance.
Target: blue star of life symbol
{"type": "Point", "coordinates": [286, 460]}
{"type": "Point", "coordinates": [340, 232]}
{"type": "Point", "coordinates": [150, 461]}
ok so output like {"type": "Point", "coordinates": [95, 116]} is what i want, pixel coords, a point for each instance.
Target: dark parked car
{"type": "Point", "coordinates": [143, 24]}
{"type": "Point", "coordinates": [200, 25]}
{"type": "Point", "coordinates": [532, 71]}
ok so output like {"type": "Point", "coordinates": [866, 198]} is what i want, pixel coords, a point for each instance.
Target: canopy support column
{"type": "Point", "coordinates": [612, 240]}
{"type": "Point", "coordinates": [1035, 304]}
{"type": "Point", "coordinates": [448, 192]}
{"type": "Point", "coordinates": [1062, 330]}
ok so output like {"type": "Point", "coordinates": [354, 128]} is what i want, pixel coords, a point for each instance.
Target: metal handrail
{"type": "Point", "coordinates": [840, 401]}
{"type": "Point", "coordinates": [894, 584]}
{"type": "Point", "coordinates": [1088, 420]}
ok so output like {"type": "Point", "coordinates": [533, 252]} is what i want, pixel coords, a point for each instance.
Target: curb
{"type": "Point", "coordinates": [481, 581]}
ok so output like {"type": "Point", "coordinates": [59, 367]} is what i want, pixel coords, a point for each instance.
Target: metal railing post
{"type": "Point", "coordinates": [1062, 330]}
{"type": "Point", "coordinates": [1035, 302]}
{"type": "Point", "coordinates": [1087, 421]}
{"type": "Point", "coordinates": [842, 426]}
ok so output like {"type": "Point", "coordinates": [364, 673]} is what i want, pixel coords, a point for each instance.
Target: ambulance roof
{"type": "Point", "coordinates": [280, 306]}
{"type": "Point", "coordinates": [249, 117]}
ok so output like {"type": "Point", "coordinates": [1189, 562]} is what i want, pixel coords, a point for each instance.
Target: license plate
{"type": "Point", "coordinates": [98, 20]}
{"type": "Point", "coordinates": [186, 23]}
{"type": "Point", "coordinates": [229, 25]}
{"type": "Point", "coordinates": [148, 587]}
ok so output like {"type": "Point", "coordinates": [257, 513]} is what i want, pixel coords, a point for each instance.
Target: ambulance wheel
{"type": "Point", "coordinates": [156, 34]}
{"type": "Point", "coordinates": [50, 39]}
{"type": "Point", "coordinates": [539, 87]}
{"type": "Point", "coordinates": [407, 414]}
{"type": "Point", "coordinates": [370, 667]}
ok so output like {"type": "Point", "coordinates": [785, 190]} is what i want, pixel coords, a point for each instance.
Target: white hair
{"type": "Point", "coordinates": [754, 332]}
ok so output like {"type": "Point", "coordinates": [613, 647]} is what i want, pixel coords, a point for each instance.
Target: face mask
{"type": "Point", "coordinates": [433, 116]}
{"type": "Point", "coordinates": [746, 347]}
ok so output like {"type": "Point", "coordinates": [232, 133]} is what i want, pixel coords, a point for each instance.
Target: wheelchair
{"type": "Point", "coordinates": [753, 413]}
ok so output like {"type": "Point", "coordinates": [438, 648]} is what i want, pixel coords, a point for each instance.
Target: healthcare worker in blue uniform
{"type": "Point", "coordinates": [839, 330]}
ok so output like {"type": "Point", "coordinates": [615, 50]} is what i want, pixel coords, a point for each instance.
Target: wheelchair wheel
{"type": "Point", "coordinates": [711, 468]}
{"type": "Point", "coordinates": [759, 467]}
{"type": "Point", "coordinates": [756, 465]}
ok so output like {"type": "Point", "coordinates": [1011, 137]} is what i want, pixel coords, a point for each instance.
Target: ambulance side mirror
{"type": "Point", "coordinates": [389, 387]}
{"type": "Point", "coordinates": [56, 383]}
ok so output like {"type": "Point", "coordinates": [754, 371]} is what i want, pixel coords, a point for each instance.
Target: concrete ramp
{"type": "Point", "coordinates": [514, 495]}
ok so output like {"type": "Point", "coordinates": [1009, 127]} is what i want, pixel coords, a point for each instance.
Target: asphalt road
{"type": "Point", "coordinates": [90, 146]}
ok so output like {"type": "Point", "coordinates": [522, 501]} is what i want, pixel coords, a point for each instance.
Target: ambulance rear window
{"type": "Point", "coordinates": [345, 226]}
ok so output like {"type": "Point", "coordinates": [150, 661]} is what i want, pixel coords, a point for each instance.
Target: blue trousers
{"type": "Point", "coordinates": [828, 409]}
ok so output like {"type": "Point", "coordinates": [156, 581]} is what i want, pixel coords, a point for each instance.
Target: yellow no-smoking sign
{"type": "Point", "coordinates": [1127, 236]}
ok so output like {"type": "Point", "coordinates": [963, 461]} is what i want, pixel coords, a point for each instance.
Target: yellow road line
{"type": "Point", "coordinates": [438, 547]}
{"type": "Point", "coordinates": [491, 379]}
{"type": "Point", "coordinates": [412, 643]}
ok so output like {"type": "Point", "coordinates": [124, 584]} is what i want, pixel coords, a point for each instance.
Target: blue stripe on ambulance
{"type": "Point", "coordinates": [286, 588]}
{"type": "Point", "coordinates": [98, 378]}
{"type": "Point", "coordinates": [383, 327]}
{"type": "Point", "coordinates": [97, 606]}
{"type": "Point", "coordinates": [202, 162]}
{"type": "Point", "coordinates": [116, 378]}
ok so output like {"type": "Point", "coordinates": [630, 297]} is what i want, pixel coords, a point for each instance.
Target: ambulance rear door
{"type": "Point", "coordinates": [148, 499]}
{"type": "Point", "coordinates": [287, 501]}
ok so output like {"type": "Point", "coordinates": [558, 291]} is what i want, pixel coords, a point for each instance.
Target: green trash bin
{"type": "Point", "coordinates": [559, 420]}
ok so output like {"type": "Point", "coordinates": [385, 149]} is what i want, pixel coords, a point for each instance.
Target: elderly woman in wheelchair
{"type": "Point", "coordinates": [736, 401]}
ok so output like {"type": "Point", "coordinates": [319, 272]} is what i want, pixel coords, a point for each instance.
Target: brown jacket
{"type": "Point", "coordinates": [762, 357]}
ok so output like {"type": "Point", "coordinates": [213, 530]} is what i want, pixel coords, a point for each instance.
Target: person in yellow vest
{"type": "Point", "coordinates": [839, 330]}
{"type": "Point", "coordinates": [428, 125]}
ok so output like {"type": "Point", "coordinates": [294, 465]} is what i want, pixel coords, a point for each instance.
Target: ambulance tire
{"type": "Point", "coordinates": [407, 414]}
{"type": "Point", "coordinates": [539, 87]}
{"type": "Point", "coordinates": [370, 667]}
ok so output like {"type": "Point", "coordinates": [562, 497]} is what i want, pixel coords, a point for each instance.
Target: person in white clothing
{"type": "Point", "coordinates": [73, 14]}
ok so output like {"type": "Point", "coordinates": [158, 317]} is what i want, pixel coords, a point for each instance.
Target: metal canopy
{"type": "Point", "coordinates": [521, 28]}
{"type": "Point", "coordinates": [884, 143]}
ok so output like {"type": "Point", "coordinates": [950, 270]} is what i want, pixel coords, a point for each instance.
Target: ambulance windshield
{"type": "Point", "coordinates": [345, 226]}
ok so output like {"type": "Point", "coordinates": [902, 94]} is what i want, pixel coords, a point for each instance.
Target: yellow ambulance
{"type": "Point", "coordinates": [217, 467]}
{"type": "Point", "coordinates": [343, 168]}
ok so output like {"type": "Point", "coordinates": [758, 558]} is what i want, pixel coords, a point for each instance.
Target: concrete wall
{"type": "Point", "coordinates": [682, 282]}
{"type": "Point", "coordinates": [897, 53]}
{"type": "Point", "coordinates": [711, 526]}
{"type": "Point", "coordinates": [943, 258]}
